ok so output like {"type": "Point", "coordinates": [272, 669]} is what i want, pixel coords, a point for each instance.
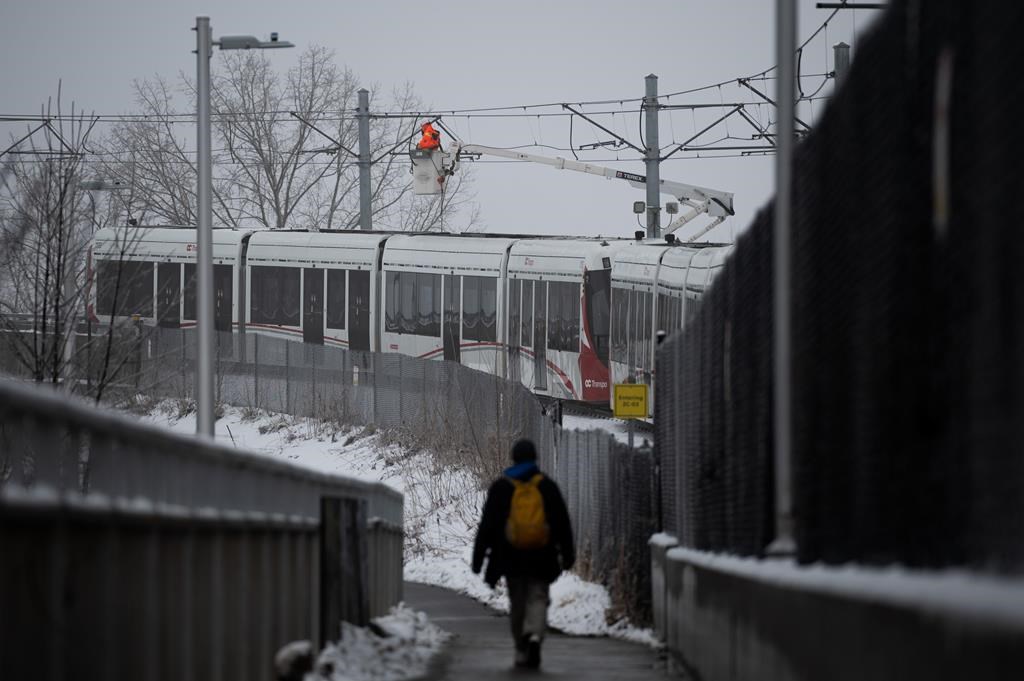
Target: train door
{"type": "Point", "coordinates": [540, 335]}
{"type": "Point", "coordinates": [359, 310]}
{"type": "Point", "coordinates": [168, 296]}
{"type": "Point", "coordinates": [452, 322]}
{"type": "Point", "coordinates": [313, 306]}
{"type": "Point", "coordinates": [223, 286]}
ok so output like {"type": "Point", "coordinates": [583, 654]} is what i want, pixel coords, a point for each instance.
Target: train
{"type": "Point", "coordinates": [566, 316]}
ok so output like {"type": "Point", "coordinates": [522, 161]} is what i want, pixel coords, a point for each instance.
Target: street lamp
{"type": "Point", "coordinates": [204, 226]}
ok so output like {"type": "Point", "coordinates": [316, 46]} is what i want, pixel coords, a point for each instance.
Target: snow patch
{"type": "Point", "coordinates": [397, 646]}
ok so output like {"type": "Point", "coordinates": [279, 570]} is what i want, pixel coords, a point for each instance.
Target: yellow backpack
{"type": "Point", "coordinates": [527, 527]}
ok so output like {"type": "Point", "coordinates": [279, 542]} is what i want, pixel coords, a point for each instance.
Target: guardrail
{"type": "Point", "coordinates": [131, 551]}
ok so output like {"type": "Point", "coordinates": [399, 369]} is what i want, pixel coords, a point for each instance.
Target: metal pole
{"type": "Point", "coordinates": [785, 42]}
{"type": "Point", "coordinates": [653, 155]}
{"type": "Point", "coordinates": [204, 228]}
{"type": "Point", "coordinates": [363, 115]}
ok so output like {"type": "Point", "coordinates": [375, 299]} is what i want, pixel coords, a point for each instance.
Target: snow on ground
{"type": "Point", "coordinates": [617, 428]}
{"type": "Point", "coordinates": [442, 506]}
{"type": "Point", "coordinates": [398, 647]}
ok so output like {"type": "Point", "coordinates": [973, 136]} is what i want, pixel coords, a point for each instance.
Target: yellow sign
{"type": "Point", "coordinates": [630, 401]}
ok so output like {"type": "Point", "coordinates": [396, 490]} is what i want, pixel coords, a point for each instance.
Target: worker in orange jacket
{"type": "Point", "coordinates": [431, 137]}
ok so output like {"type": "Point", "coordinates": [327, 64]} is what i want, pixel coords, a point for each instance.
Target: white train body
{"type": "Point", "coordinates": [151, 275]}
{"type": "Point", "coordinates": [557, 299]}
{"type": "Point", "coordinates": [567, 317]}
{"type": "Point", "coordinates": [655, 287]}
{"type": "Point", "coordinates": [442, 298]}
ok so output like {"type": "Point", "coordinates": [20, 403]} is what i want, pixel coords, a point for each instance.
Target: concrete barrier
{"type": "Point", "coordinates": [771, 620]}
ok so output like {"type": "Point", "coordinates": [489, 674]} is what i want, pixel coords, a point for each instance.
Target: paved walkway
{"type": "Point", "coordinates": [482, 646]}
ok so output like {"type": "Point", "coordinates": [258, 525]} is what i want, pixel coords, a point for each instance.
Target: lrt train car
{"type": "Point", "coordinates": [315, 286]}
{"type": "Point", "coordinates": [442, 298]}
{"type": "Point", "coordinates": [151, 274]}
{"type": "Point", "coordinates": [558, 316]}
{"type": "Point", "coordinates": [655, 286]}
{"type": "Point", "coordinates": [532, 309]}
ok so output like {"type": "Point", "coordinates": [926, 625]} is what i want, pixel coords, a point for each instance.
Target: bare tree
{"type": "Point", "coordinates": [42, 243]}
{"type": "Point", "coordinates": [46, 225]}
{"type": "Point", "coordinates": [282, 144]}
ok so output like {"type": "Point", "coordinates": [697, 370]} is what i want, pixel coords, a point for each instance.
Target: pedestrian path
{"type": "Point", "coordinates": [481, 647]}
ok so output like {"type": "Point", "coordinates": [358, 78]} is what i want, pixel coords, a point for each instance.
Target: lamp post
{"type": "Point", "coordinates": [204, 226]}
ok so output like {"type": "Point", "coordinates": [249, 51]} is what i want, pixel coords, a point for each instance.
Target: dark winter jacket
{"type": "Point", "coordinates": [502, 559]}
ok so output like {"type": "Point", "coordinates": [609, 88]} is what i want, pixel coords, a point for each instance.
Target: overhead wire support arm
{"type": "Point", "coordinates": [746, 83]}
{"type": "Point", "coordinates": [682, 147]}
{"type": "Point", "coordinates": [610, 132]}
{"type": "Point", "coordinates": [44, 124]}
{"type": "Point", "coordinates": [331, 139]}
{"type": "Point", "coordinates": [762, 133]}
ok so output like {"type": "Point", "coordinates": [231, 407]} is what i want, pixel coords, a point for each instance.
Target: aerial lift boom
{"type": "Point", "coordinates": [700, 200]}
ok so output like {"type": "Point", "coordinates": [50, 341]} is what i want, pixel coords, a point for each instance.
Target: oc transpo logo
{"type": "Point", "coordinates": [591, 383]}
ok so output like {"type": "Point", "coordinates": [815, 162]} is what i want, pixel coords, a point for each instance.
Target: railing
{"type": "Point", "coordinates": [130, 551]}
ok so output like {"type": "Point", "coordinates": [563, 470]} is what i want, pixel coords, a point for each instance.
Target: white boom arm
{"type": "Point", "coordinates": [701, 199]}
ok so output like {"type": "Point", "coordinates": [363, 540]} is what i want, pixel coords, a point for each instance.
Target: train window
{"type": "Point", "coordinates": [597, 289]}
{"type": "Point", "coordinates": [392, 319]}
{"type": "Point", "coordinates": [471, 308]}
{"type": "Point", "coordinates": [274, 295]}
{"type": "Point", "coordinates": [479, 308]}
{"type": "Point", "coordinates": [645, 332]}
{"type": "Point", "coordinates": [413, 303]}
{"type": "Point", "coordinates": [190, 291]}
{"type": "Point", "coordinates": [428, 318]}
{"type": "Point", "coordinates": [336, 299]}
{"type": "Point", "coordinates": [527, 330]}
{"type": "Point", "coordinates": [489, 308]}
{"type": "Point", "coordinates": [124, 288]}
{"type": "Point", "coordinates": [619, 315]}
{"type": "Point", "coordinates": [564, 316]}
{"type": "Point", "coordinates": [572, 316]}
{"type": "Point", "coordinates": [514, 288]}
{"type": "Point", "coordinates": [407, 302]}
{"type": "Point", "coordinates": [555, 316]}
{"type": "Point", "coordinates": [540, 318]}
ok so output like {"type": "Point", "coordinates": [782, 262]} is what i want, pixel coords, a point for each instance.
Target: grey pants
{"type": "Point", "coordinates": [528, 601]}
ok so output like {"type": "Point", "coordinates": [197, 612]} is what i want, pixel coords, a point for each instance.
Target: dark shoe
{"type": "Point", "coordinates": [533, 652]}
{"type": "Point", "coordinates": [522, 646]}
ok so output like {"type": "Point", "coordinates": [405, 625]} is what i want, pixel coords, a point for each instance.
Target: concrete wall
{"type": "Point", "coordinates": [738, 619]}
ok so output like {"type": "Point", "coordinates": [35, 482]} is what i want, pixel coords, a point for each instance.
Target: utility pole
{"type": "Point", "coordinates": [653, 156]}
{"type": "Point", "coordinates": [204, 227]}
{"type": "Point", "coordinates": [785, 45]}
{"type": "Point", "coordinates": [363, 116]}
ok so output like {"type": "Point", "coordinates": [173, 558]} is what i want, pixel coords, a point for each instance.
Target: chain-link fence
{"type": "Point", "coordinates": [611, 493]}
{"type": "Point", "coordinates": [908, 331]}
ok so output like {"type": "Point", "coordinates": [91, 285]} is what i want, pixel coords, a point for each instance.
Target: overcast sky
{"type": "Point", "coordinates": [459, 55]}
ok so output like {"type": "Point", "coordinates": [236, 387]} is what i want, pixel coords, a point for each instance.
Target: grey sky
{"type": "Point", "coordinates": [458, 55]}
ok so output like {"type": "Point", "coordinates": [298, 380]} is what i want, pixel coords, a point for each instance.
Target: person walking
{"type": "Point", "coordinates": [526, 537]}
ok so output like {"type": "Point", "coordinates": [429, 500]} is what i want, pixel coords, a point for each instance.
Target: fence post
{"type": "Point", "coordinates": [256, 369]}
{"type": "Point", "coordinates": [343, 568]}
{"type": "Point", "coordinates": [287, 379]}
